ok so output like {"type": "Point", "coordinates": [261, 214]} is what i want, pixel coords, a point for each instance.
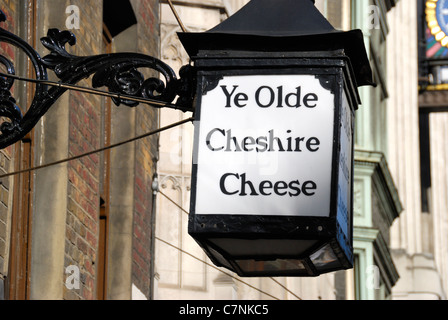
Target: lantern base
{"type": "Point", "coordinates": [273, 246]}
{"type": "Point", "coordinates": [301, 258]}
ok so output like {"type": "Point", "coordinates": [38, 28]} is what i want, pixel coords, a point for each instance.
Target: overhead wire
{"type": "Point", "coordinates": [214, 267]}
{"type": "Point", "coordinates": [174, 202]}
{"type": "Point", "coordinates": [186, 212]}
{"type": "Point", "coordinates": [111, 146]}
{"type": "Point", "coordinates": [285, 288]}
{"type": "Point", "coordinates": [151, 102]}
{"type": "Point", "coordinates": [179, 21]}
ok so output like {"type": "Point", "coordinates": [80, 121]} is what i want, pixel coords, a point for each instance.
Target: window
{"type": "Point", "coordinates": [425, 161]}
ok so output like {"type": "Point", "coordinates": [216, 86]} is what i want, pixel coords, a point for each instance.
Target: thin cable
{"type": "Point", "coordinates": [185, 211]}
{"type": "Point", "coordinates": [214, 267]}
{"type": "Point", "coordinates": [148, 101]}
{"type": "Point", "coordinates": [285, 288]}
{"type": "Point", "coordinates": [179, 21]}
{"type": "Point", "coordinates": [98, 150]}
{"type": "Point", "coordinates": [173, 202]}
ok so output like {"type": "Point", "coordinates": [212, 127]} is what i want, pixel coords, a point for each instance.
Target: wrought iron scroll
{"type": "Point", "coordinates": [119, 72]}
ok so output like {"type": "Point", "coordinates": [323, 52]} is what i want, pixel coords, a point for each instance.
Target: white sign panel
{"type": "Point", "coordinates": [264, 147]}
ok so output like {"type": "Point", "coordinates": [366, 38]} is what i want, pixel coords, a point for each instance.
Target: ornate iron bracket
{"type": "Point", "coordinates": [119, 72]}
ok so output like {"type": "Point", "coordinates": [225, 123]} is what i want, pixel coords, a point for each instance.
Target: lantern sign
{"type": "Point", "coordinates": [265, 146]}
{"type": "Point", "coordinates": [272, 179]}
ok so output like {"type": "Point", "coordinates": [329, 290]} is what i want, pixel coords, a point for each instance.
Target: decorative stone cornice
{"type": "Point", "coordinates": [383, 180]}
{"type": "Point", "coordinates": [382, 255]}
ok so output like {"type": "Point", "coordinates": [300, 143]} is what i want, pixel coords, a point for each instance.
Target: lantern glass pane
{"type": "Point", "coordinates": [263, 247]}
{"type": "Point", "coordinates": [325, 258]}
{"type": "Point", "coordinates": [279, 265]}
{"type": "Point", "coordinates": [219, 258]}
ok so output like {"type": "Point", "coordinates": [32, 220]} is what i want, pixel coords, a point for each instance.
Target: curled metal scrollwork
{"type": "Point", "coordinates": [119, 72]}
{"type": "Point", "coordinates": [8, 107]}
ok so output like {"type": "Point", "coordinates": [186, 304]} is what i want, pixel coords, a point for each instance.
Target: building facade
{"type": "Point", "coordinates": [113, 224]}
{"type": "Point", "coordinates": [81, 229]}
{"type": "Point", "coordinates": [420, 241]}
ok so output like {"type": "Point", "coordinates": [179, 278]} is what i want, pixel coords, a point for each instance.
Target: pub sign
{"type": "Point", "coordinates": [272, 179]}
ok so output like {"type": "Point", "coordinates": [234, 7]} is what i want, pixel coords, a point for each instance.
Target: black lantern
{"type": "Point", "coordinates": [272, 181]}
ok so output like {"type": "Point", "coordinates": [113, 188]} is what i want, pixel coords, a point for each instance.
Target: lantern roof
{"type": "Point", "coordinates": [282, 26]}
{"type": "Point", "coordinates": [276, 18]}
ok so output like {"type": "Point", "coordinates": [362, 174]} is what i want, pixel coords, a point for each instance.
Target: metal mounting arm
{"type": "Point", "coordinates": [119, 72]}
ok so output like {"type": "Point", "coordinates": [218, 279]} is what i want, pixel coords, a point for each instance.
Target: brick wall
{"type": "Point", "coordinates": [9, 7]}
{"type": "Point", "coordinates": [146, 154]}
{"type": "Point", "coordinates": [4, 205]}
{"type": "Point", "coordinates": [82, 220]}
{"type": "Point", "coordinates": [83, 175]}
{"type": "Point", "coordinates": [83, 194]}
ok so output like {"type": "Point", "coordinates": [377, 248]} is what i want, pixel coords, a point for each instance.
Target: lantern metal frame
{"type": "Point", "coordinates": [335, 73]}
